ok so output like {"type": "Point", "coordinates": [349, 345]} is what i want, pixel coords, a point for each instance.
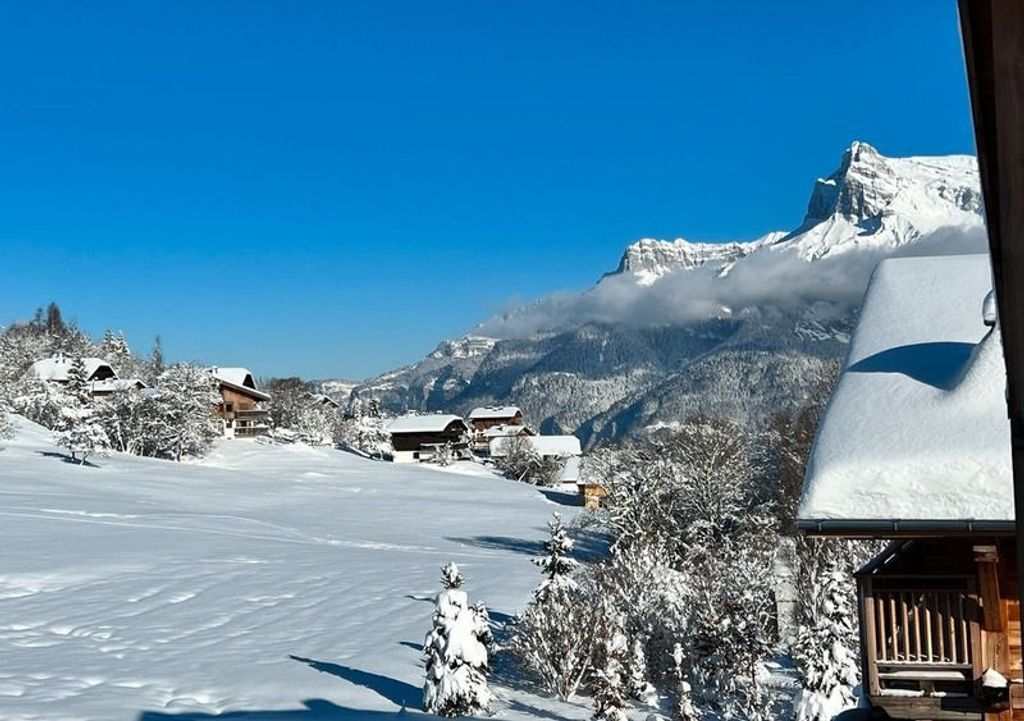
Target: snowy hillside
{"type": "Point", "coordinates": [624, 354]}
{"type": "Point", "coordinates": [261, 579]}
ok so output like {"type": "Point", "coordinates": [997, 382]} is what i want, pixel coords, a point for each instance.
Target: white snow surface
{"type": "Point", "coordinates": [916, 428]}
{"type": "Point", "coordinates": [489, 412]}
{"type": "Point", "coordinates": [146, 590]}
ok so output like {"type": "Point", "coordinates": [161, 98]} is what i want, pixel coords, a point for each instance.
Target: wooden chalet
{"type": "Point", "coordinates": [325, 401]}
{"type": "Point", "coordinates": [418, 438]}
{"type": "Point", "coordinates": [915, 446]}
{"type": "Point", "coordinates": [239, 408]}
{"type": "Point", "coordinates": [101, 378]}
{"type": "Point", "coordinates": [486, 417]}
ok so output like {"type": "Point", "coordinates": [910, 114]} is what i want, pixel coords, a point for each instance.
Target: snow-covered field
{"type": "Point", "coordinates": [271, 582]}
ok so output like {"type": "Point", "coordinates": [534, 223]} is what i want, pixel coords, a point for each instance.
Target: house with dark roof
{"type": "Point", "coordinates": [419, 438]}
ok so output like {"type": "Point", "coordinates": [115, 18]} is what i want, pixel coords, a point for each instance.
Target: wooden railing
{"type": "Point", "coordinates": [920, 635]}
{"type": "Point", "coordinates": [922, 627]}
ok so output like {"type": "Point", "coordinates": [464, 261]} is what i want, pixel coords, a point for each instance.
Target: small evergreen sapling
{"type": "Point", "coordinates": [609, 682]}
{"type": "Point", "coordinates": [639, 687]}
{"type": "Point", "coordinates": [455, 652]}
{"type": "Point", "coordinates": [556, 564]}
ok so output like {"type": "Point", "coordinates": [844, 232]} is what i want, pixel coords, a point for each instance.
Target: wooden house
{"type": "Point", "coordinates": [486, 417]}
{"type": "Point", "coordinates": [915, 446]}
{"type": "Point", "coordinates": [417, 438]}
{"type": "Point", "coordinates": [100, 376]}
{"type": "Point", "coordinates": [325, 401]}
{"type": "Point", "coordinates": [239, 407]}
{"type": "Point", "coordinates": [482, 440]}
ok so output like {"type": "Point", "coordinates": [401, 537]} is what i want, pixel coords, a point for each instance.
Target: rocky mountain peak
{"type": "Point", "coordinates": [861, 188]}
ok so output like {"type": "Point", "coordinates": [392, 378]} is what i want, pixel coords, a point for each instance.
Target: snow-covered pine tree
{"type": "Point", "coordinates": [609, 682]}
{"type": "Point", "coordinates": [79, 430]}
{"type": "Point", "coordinates": [825, 651]}
{"type": "Point", "coordinates": [77, 386]}
{"type": "Point", "coordinates": [455, 653]}
{"type": "Point", "coordinates": [639, 687]}
{"type": "Point", "coordinates": [684, 708]}
{"type": "Point", "coordinates": [556, 564]}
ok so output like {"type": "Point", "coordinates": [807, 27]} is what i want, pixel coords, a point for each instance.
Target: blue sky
{"type": "Point", "coordinates": [328, 189]}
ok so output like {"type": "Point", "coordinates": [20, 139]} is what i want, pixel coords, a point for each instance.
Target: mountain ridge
{"type": "Point", "coordinates": [673, 330]}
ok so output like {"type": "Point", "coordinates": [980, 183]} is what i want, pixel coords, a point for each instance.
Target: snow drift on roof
{"type": "Point", "coordinates": [544, 445]}
{"type": "Point", "coordinates": [56, 368]}
{"type": "Point", "coordinates": [240, 379]}
{"type": "Point", "coordinates": [493, 412]}
{"type": "Point", "coordinates": [235, 376]}
{"type": "Point", "coordinates": [422, 424]}
{"type": "Point", "coordinates": [917, 429]}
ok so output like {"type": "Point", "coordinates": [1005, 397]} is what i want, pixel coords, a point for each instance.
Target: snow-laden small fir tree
{"type": "Point", "coordinates": [556, 564]}
{"type": "Point", "coordinates": [684, 708]}
{"type": "Point", "coordinates": [78, 429]}
{"type": "Point", "coordinates": [639, 687]}
{"type": "Point", "coordinates": [77, 386]}
{"type": "Point", "coordinates": [824, 651]}
{"type": "Point", "coordinates": [609, 682]}
{"type": "Point", "coordinates": [455, 653]}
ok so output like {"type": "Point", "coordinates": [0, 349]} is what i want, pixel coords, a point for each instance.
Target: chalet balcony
{"type": "Point", "coordinates": [920, 636]}
{"type": "Point", "coordinates": [254, 414]}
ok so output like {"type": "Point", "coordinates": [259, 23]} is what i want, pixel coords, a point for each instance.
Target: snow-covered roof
{"type": "Point", "coordinates": [916, 433]}
{"type": "Point", "coordinates": [116, 385]}
{"type": "Point", "coordinates": [235, 376]}
{"type": "Point", "coordinates": [504, 430]}
{"type": "Point", "coordinates": [488, 412]}
{"type": "Point", "coordinates": [240, 379]}
{"type": "Point", "coordinates": [543, 445]}
{"type": "Point", "coordinates": [56, 368]}
{"type": "Point", "coordinates": [423, 424]}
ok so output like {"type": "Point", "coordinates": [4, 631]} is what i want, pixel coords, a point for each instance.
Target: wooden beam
{"type": "Point", "coordinates": [993, 38]}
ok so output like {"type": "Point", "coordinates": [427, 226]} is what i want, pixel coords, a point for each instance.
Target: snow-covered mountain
{"type": "Point", "coordinates": [723, 328]}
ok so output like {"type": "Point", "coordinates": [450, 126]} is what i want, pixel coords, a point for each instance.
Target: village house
{"type": "Point", "coordinates": [239, 408]}
{"type": "Point", "coordinates": [486, 417]}
{"type": "Point", "coordinates": [482, 440]}
{"type": "Point", "coordinates": [320, 399]}
{"type": "Point", "coordinates": [418, 438]}
{"type": "Point", "coordinates": [915, 447]}
{"type": "Point", "coordinates": [101, 378]}
{"type": "Point", "coordinates": [566, 448]}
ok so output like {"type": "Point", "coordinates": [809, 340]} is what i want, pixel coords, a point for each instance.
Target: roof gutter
{"type": "Point", "coordinates": [883, 527]}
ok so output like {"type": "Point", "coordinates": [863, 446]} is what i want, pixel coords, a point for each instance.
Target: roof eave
{"type": "Point", "coordinates": [896, 528]}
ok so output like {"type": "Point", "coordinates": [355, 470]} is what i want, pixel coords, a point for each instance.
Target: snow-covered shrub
{"type": "Point", "coordinates": [694, 537]}
{"type": "Point", "coordinates": [364, 431]}
{"type": "Point", "coordinates": [455, 653]}
{"type": "Point", "coordinates": [520, 461]}
{"type": "Point", "coordinates": [444, 455]}
{"type": "Point", "coordinates": [295, 413]}
{"type": "Point", "coordinates": [37, 400]}
{"type": "Point", "coordinates": [555, 640]}
{"type": "Point", "coordinates": [185, 398]}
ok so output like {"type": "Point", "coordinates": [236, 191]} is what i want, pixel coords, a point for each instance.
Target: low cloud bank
{"type": "Point", "coordinates": [774, 276]}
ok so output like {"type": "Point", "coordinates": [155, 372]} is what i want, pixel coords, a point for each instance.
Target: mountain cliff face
{"type": "Point", "coordinates": [682, 328]}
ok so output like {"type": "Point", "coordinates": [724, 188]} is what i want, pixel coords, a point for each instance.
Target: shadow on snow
{"type": "Point", "coordinates": [397, 692]}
